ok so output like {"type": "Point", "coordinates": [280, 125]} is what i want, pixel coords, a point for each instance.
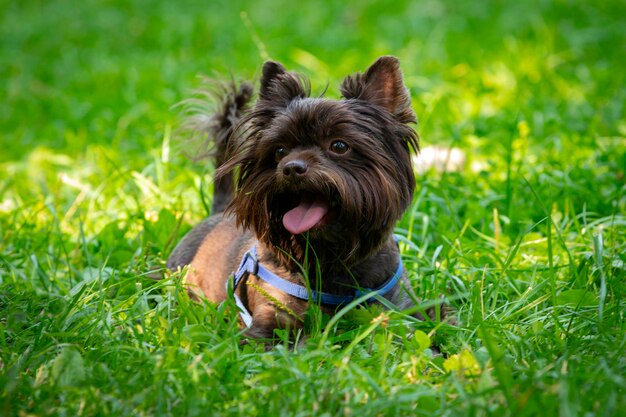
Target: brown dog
{"type": "Point", "coordinates": [318, 186]}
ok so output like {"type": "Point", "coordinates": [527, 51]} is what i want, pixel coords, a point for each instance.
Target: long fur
{"type": "Point", "coordinates": [355, 155]}
{"type": "Point", "coordinates": [371, 189]}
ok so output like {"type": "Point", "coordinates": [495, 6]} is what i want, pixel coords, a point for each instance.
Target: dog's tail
{"type": "Point", "coordinates": [218, 127]}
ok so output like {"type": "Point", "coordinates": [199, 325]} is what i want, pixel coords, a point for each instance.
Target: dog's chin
{"type": "Point", "coordinates": [317, 223]}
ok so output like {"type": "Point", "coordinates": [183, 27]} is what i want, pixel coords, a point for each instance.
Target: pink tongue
{"type": "Point", "coordinates": [305, 216]}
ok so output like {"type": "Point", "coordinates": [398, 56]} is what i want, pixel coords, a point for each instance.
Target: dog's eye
{"type": "Point", "coordinates": [280, 153]}
{"type": "Point", "coordinates": [339, 147]}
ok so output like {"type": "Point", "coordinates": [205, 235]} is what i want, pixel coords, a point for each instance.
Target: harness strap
{"type": "Point", "coordinates": [250, 265]}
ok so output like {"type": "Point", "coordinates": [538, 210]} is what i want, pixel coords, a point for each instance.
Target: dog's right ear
{"type": "Point", "coordinates": [279, 86]}
{"type": "Point", "coordinates": [271, 71]}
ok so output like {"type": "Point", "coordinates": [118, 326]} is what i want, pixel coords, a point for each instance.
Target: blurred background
{"type": "Point", "coordinates": [108, 72]}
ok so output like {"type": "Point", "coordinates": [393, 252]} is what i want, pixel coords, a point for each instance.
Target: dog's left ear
{"type": "Point", "coordinates": [280, 86]}
{"type": "Point", "coordinates": [382, 85]}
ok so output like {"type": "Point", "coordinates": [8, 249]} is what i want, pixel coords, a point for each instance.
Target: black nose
{"type": "Point", "coordinates": [295, 168]}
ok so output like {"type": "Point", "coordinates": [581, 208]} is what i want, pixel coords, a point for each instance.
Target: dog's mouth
{"type": "Point", "coordinates": [307, 211]}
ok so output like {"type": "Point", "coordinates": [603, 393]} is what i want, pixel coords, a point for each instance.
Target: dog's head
{"type": "Point", "coordinates": [333, 174]}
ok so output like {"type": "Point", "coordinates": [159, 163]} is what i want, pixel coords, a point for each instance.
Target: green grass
{"type": "Point", "coordinates": [528, 242]}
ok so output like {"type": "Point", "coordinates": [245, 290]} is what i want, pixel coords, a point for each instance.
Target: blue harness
{"type": "Point", "coordinates": [250, 265]}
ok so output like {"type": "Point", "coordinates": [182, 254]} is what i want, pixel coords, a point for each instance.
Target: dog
{"type": "Point", "coordinates": [306, 197]}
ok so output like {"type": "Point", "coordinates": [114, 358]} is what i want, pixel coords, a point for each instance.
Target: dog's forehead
{"type": "Point", "coordinates": [309, 107]}
{"type": "Point", "coordinates": [316, 114]}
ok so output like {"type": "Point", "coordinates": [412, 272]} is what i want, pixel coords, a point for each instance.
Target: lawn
{"type": "Point", "coordinates": [527, 241]}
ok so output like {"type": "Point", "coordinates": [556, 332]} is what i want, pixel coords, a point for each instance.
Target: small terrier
{"type": "Point", "coordinates": [307, 194]}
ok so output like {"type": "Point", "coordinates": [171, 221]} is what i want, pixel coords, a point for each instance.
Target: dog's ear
{"type": "Point", "coordinates": [271, 71]}
{"type": "Point", "coordinates": [382, 85]}
{"type": "Point", "coordinates": [279, 86]}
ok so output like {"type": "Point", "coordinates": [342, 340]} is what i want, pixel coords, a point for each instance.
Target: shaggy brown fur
{"type": "Point", "coordinates": [349, 159]}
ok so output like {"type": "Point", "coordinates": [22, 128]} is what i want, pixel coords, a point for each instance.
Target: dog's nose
{"type": "Point", "coordinates": [295, 168]}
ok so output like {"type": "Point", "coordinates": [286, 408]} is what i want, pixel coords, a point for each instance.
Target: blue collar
{"type": "Point", "coordinates": [250, 265]}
